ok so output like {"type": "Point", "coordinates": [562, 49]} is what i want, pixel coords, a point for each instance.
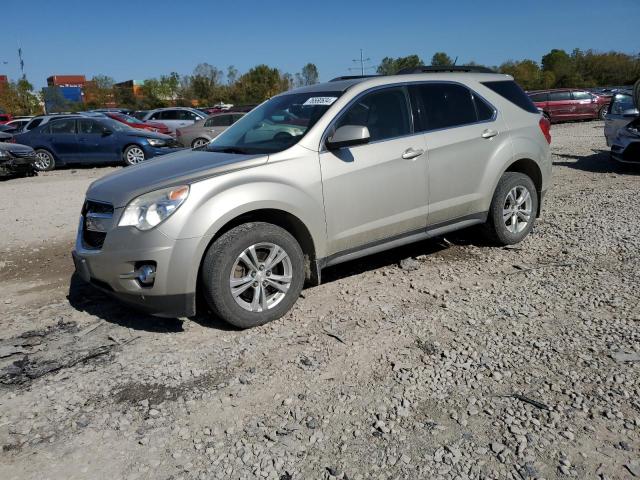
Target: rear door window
{"type": "Point", "coordinates": [219, 121]}
{"type": "Point", "coordinates": [186, 115]}
{"type": "Point", "coordinates": [559, 96]}
{"type": "Point", "coordinates": [61, 126]}
{"type": "Point", "coordinates": [90, 127]}
{"type": "Point", "coordinates": [443, 105]}
{"type": "Point", "coordinates": [384, 112]}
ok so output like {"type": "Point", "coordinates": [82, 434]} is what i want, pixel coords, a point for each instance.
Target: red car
{"type": "Point", "coordinates": [133, 122]}
{"type": "Point", "coordinates": [5, 117]}
{"type": "Point", "coordinates": [570, 104]}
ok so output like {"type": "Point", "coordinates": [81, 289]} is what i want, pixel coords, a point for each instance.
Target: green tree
{"type": "Point", "coordinates": [526, 72]}
{"type": "Point", "coordinates": [391, 66]}
{"type": "Point", "coordinates": [563, 68]}
{"type": "Point", "coordinates": [309, 74]}
{"type": "Point", "coordinates": [98, 92]}
{"type": "Point", "coordinates": [18, 98]}
{"type": "Point", "coordinates": [441, 59]}
{"type": "Point", "coordinates": [258, 84]}
{"type": "Point", "coordinates": [232, 75]}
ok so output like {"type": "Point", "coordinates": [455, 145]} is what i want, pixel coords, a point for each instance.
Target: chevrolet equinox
{"type": "Point", "coordinates": [313, 177]}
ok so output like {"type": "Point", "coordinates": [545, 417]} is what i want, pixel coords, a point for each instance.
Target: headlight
{"type": "Point", "coordinates": [152, 208]}
{"type": "Point", "coordinates": [154, 142]}
{"type": "Point", "coordinates": [4, 155]}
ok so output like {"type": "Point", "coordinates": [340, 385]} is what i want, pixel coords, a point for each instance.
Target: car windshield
{"type": "Point", "coordinates": [129, 119]}
{"type": "Point", "coordinates": [115, 125]}
{"type": "Point", "coordinates": [275, 125]}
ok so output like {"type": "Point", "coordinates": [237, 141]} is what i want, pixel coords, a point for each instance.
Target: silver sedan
{"type": "Point", "coordinates": [203, 131]}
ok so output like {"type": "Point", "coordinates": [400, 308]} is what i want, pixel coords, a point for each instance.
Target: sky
{"type": "Point", "coordinates": [139, 39]}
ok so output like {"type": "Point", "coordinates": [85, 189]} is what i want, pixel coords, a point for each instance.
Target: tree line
{"type": "Point", "coordinates": [207, 85]}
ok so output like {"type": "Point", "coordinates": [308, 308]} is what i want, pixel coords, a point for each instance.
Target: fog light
{"type": "Point", "coordinates": [146, 274]}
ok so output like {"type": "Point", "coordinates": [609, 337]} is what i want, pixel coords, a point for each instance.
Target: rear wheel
{"type": "Point", "coordinates": [513, 209]}
{"type": "Point", "coordinates": [199, 142]}
{"type": "Point", "coordinates": [253, 274]}
{"type": "Point", "coordinates": [133, 155]}
{"type": "Point", "coordinates": [44, 160]}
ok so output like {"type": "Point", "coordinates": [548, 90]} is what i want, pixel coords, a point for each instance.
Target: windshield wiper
{"type": "Point", "coordinates": [229, 150]}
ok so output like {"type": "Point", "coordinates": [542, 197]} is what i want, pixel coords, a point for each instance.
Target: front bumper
{"type": "Point", "coordinates": [626, 150]}
{"type": "Point", "coordinates": [173, 291]}
{"type": "Point", "coordinates": [14, 166]}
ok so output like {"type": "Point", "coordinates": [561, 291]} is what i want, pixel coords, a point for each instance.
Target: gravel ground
{"type": "Point", "coordinates": [446, 359]}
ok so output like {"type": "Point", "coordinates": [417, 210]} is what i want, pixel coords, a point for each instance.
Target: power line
{"type": "Point", "coordinates": [362, 62]}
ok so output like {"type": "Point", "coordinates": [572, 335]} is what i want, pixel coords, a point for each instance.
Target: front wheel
{"type": "Point", "coordinates": [133, 155]}
{"type": "Point", "coordinates": [44, 161]}
{"type": "Point", "coordinates": [253, 274]}
{"type": "Point", "coordinates": [513, 209]}
{"type": "Point", "coordinates": [602, 113]}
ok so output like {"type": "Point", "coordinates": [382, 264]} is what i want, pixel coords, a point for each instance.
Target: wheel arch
{"type": "Point", "coordinates": [531, 169]}
{"type": "Point", "coordinates": [285, 220]}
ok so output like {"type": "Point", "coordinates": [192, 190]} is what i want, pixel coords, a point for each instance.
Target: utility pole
{"type": "Point", "coordinates": [362, 62]}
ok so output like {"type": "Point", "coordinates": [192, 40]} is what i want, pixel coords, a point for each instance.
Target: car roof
{"type": "Point", "coordinates": [342, 84]}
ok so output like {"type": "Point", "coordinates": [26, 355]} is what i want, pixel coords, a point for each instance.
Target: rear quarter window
{"type": "Point", "coordinates": [511, 91]}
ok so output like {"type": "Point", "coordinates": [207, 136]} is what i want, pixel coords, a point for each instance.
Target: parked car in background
{"type": "Point", "coordinates": [16, 125]}
{"type": "Point", "coordinates": [16, 160]}
{"type": "Point", "coordinates": [5, 117]}
{"type": "Point", "coordinates": [175, 117]}
{"type": "Point", "coordinates": [139, 114]}
{"type": "Point", "coordinates": [133, 122]}
{"type": "Point", "coordinates": [311, 178]}
{"type": "Point", "coordinates": [563, 104]}
{"type": "Point", "coordinates": [203, 131]}
{"type": "Point", "coordinates": [621, 112]}
{"type": "Point", "coordinates": [93, 140]}
{"type": "Point", "coordinates": [6, 137]}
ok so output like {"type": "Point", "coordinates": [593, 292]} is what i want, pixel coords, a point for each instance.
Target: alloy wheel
{"type": "Point", "coordinates": [260, 277]}
{"type": "Point", "coordinates": [517, 209]}
{"type": "Point", "coordinates": [135, 155]}
{"type": "Point", "coordinates": [199, 142]}
{"type": "Point", "coordinates": [43, 161]}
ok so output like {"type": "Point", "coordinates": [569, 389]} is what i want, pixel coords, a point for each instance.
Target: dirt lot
{"type": "Point", "coordinates": [464, 361]}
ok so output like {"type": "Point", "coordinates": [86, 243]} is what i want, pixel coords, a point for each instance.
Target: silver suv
{"type": "Point", "coordinates": [311, 178]}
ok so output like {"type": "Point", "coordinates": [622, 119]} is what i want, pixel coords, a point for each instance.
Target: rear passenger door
{"type": "Point", "coordinates": [462, 135]}
{"type": "Point", "coordinates": [61, 135]}
{"type": "Point", "coordinates": [561, 106]}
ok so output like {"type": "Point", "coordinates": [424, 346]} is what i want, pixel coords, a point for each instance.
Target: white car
{"type": "Point", "coordinates": [175, 117]}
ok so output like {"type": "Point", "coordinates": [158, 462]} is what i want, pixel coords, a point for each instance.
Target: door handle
{"type": "Point", "coordinates": [488, 133]}
{"type": "Point", "coordinates": [410, 153]}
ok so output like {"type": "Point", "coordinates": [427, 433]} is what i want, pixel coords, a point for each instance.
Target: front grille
{"type": "Point", "coordinates": [97, 220]}
{"type": "Point", "coordinates": [24, 154]}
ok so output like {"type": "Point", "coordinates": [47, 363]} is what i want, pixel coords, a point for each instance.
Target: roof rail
{"type": "Point", "coordinates": [445, 68]}
{"type": "Point", "coordinates": [351, 77]}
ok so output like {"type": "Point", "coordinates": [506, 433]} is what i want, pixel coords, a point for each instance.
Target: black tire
{"type": "Point", "coordinates": [199, 139]}
{"type": "Point", "coordinates": [131, 155]}
{"type": "Point", "coordinates": [46, 161]}
{"type": "Point", "coordinates": [496, 227]}
{"type": "Point", "coordinates": [602, 113]}
{"type": "Point", "coordinates": [221, 258]}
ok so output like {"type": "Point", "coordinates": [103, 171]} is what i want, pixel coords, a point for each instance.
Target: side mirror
{"type": "Point", "coordinates": [630, 113]}
{"type": "Point", "coordinates": [348, 136]}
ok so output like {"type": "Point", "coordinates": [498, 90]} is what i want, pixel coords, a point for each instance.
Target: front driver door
{"type": "Point", "coordinates": [375, 191]}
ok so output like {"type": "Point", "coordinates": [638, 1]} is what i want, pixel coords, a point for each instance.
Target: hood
{"type": "Point", "coordinates": [15, 148]}
{"type": "Point", "coordinates": [183, 167]}
{"type": "Point", "coordinates": [148, 134]}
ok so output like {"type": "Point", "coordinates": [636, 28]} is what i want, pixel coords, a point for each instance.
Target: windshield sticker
{"type": "Point", "coordinates": [320, 101]}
